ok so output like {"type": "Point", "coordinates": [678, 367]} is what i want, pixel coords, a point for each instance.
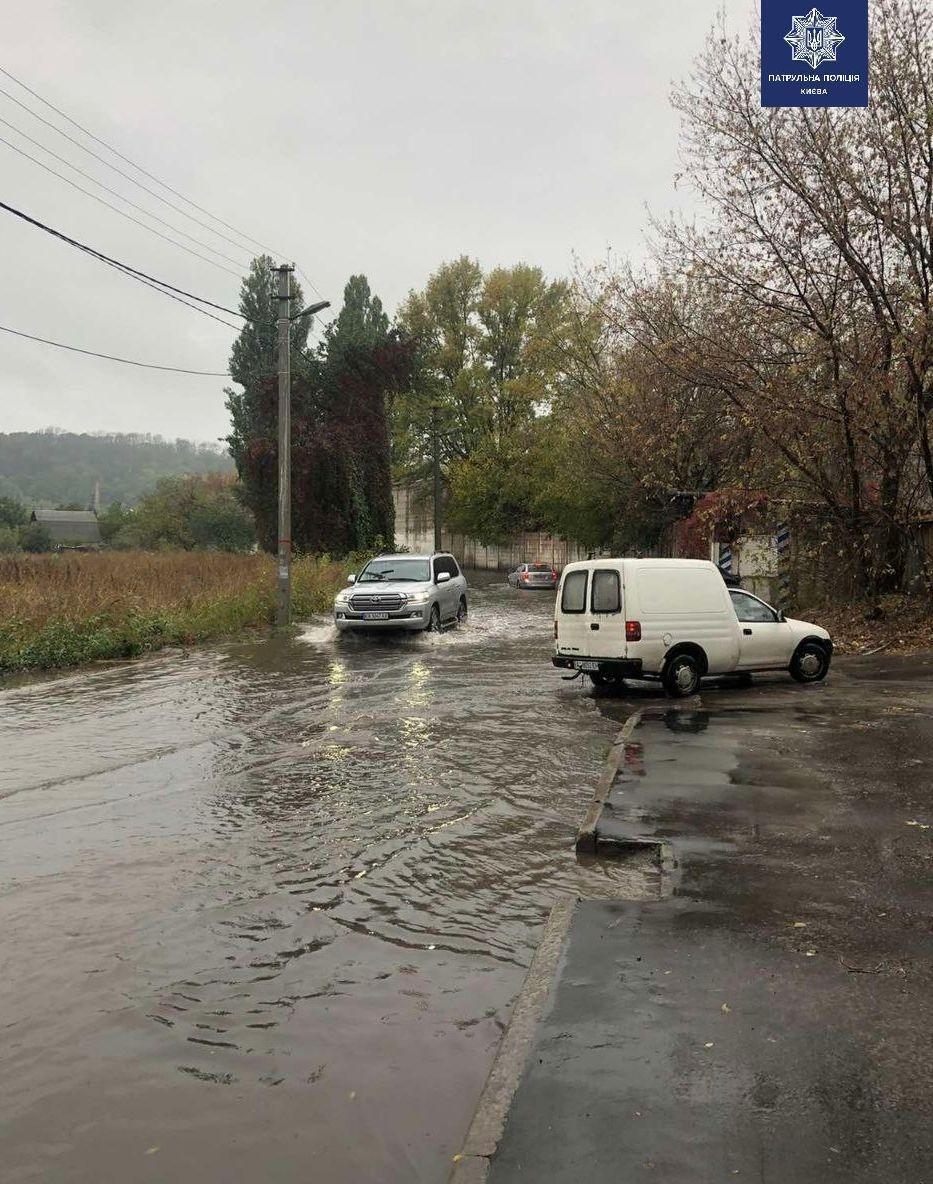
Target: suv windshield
{"type": "Point", "coordinates": [383, 570]}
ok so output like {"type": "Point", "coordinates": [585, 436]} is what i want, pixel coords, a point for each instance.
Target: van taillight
{"type": "Point", "coordinates": [633, 630]}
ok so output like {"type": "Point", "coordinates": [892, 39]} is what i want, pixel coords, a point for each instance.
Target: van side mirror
{"type": "Point", "coordinates": [443, 577]}
{"type": "Point", "coordinates": [351, 579]}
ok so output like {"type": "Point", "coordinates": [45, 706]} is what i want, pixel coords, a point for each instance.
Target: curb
{"type": "Point", "coordinates": [482, 1140]}
{"type": "Point", "coordinates": [586, 836]}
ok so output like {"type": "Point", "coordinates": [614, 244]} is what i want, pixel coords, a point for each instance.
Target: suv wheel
{"type": "Point", "coordinates": [434, 624]}
{"type": "Point", "coordinates": [462, 611]}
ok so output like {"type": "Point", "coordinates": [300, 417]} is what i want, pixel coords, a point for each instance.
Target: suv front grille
{"type": "Point", "coordinates": [388, 602]}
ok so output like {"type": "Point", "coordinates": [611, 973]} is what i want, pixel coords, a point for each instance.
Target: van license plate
{"type": "Point", "coordinates": [375, 616]}
{"type": "Point", "coordinates": [594, 666]}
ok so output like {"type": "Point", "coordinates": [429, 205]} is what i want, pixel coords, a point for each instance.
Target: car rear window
{"type": "Point", "coordinates": [607, 592]}
{"type": "Point", "coordinates": [573, 596]}
{"type": "Point", "coordinates": [538, 567]}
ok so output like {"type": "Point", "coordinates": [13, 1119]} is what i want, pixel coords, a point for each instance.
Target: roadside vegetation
{"type": "Point", "coordinates": [69, 609]}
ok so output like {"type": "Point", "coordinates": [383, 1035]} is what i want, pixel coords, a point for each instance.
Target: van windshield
{"type": "Point", "coordinates": [407, 570]}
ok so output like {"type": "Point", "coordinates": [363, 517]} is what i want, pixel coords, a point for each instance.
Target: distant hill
{"type": "Point", "coordinates": [53, 468]}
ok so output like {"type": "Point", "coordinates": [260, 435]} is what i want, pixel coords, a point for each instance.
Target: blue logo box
{"type": "Point", "coordinates": [814, 57]}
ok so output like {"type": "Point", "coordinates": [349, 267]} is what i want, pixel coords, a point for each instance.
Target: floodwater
{"type": "Point", "coordinates": [264, 907]}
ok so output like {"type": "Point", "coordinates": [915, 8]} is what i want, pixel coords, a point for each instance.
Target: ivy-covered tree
{"type": "Point", "coordinates": [341, 479]}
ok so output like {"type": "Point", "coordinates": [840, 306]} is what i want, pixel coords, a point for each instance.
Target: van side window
{"type": "Point", "coordinates": [607, 592]}
{"type": "Point", "coordinates": [573, 597]}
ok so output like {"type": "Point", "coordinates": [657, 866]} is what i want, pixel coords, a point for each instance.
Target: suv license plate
{"type": "Point", "coordinates": [594, 666]}
{"type": "Point", "coordinates": [375, 616]}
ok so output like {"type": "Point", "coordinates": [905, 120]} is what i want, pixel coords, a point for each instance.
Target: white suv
{"type": "Point", "coordinates": [410, 592]}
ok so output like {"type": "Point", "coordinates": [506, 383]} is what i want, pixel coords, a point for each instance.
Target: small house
{"type": "Point", "coordinates": [69, 528]}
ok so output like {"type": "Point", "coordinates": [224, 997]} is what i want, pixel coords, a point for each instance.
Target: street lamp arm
{"type": "Point", "coordinates": [310, 310]}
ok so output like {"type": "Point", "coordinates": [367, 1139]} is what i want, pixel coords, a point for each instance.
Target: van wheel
{"type": "Point", "coordinates": [462, 611]}
{"type": "Point", "coordinates": [681, 676]}
{"type": "Point", "coordinates": [609, 681]}
{"type": "Point", "coordinates": [810, 663]}
{"type": "Point", "coordinates": [434, 624]}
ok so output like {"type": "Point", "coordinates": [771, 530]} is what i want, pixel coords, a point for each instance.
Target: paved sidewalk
{"type": "Point", "coordinates": [772, 1019]}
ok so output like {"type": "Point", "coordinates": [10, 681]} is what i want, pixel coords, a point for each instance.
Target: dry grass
{"type": "Point", "coordinates": [63, 610]}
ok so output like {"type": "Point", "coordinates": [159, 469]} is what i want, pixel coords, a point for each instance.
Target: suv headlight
{"type": "Point", "coordinates": [418, 597]}
{"type": "Point", "coordinates": [342, 600]}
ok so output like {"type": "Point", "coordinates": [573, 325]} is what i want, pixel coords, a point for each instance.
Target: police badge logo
{"type": "Point", "coordinates": [814, 38]}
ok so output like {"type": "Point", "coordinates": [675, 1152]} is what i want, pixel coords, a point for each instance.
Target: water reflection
{"type": "Point", "coordinates": [278, 836]}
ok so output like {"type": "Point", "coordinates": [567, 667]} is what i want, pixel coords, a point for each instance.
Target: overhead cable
{"type": "Point", "coordinates": [124, 267]}
{"type": "Point", "coordinates": [110, 148]}
{"type": "Point", "coordinates": [111, 358]}
{"type": "Point", "coordinates": [122, 213]}
{"type": "Point", "coordinates": [121, 197]}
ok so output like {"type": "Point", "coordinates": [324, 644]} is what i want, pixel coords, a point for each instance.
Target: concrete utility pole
{"type": "Point", "coordinates": [283, 579]}
{"type": "Point", "coordinates": [438, 492]}
{"type": "Point", "coordinates": [283, 588]}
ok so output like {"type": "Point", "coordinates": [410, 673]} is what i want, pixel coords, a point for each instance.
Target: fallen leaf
{"type": "Point", "coordinates": [708, 1044]}
{"type": "Point", "coordinates": [726, 1008]}
{"type": "Point", "coordinates": [151, 1150]}
{"type": "Point", "coordinates": [800, 924]}
{"type": "Point", "coordinates": [811, 953]}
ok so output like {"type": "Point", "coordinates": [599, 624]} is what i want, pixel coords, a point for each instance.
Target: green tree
{"type": "Point", "coordinates": [8, 540]}
{"type": "Point", "coordinates": [189, 513]}
{"type": "Point", "coordinates": [35, 538]}
{"type": "Point", "coordinates": [12, 512]}
{"type": "Point", "coordinates": [341, 477]}
{"type": "Point", "coordinates": [488, 358]}
{"type": "Point", "coordinates": [254, 364]}
{"type": "Point", "coordinates": [113, 520]}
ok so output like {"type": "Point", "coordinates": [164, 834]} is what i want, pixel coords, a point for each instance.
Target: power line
{"type": "Point", "coordinates": [159, 197]}
{"type": "Point", "coordinates": [111, 358]}
{"type": "Point", "coordinates": [122, 213]}
{"type": "Point", "coordinates": [74, 123]}
{"type": "Point", "coordinates": [115, 193]}
{"type": "Point", "coordinates": [133, 272]}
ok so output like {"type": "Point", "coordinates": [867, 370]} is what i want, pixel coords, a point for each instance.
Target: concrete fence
{"type": "Point", "coordinates": [414, 530]}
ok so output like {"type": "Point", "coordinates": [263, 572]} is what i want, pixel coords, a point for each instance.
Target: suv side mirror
{"type": "Point", "coordinates": [780, 616]}
{"type": "Point", "coordinates": [443, 577]}
{"type": "Point", "coordinates": [351, 579]}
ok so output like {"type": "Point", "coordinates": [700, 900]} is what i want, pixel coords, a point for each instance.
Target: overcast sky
{"type": "Point", "coordinates": [375, 136]}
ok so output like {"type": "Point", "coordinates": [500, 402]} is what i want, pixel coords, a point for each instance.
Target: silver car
{"type": "Point", "coordinates": [410, 592]}
{"type": "Point", "coordinates": [533, 575]}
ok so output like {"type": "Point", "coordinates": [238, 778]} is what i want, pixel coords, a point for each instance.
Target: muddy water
{"type": "Point", "coordinates": [264, 908]}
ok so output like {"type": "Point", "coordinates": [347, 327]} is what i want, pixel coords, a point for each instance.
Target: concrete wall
{"type": "Point", "coordinates": [755, 562]}
{"type": "Point", "coordinates": [414, 530]}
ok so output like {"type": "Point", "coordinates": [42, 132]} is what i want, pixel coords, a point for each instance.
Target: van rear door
{"type": "Point", "coordinates": [573, 634]}
{"type": "Point", "coordinates": [606, 621]}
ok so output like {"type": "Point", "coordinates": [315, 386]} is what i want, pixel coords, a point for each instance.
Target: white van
{"type": "Point", "coordinates": [675, 620]}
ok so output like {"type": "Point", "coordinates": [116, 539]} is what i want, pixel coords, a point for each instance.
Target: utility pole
{"type": "Point", "coordinates": [283, 598]}
{"type": "Point", "coordinates": [438, 498]}
{"type": "Point", "coordinates": [283, 579]}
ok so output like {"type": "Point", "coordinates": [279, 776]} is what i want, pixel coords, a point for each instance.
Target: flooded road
{"type": "Point", "coordinates": [265, 907]}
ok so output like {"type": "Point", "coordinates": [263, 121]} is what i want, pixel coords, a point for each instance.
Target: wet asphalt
{"type": "Point", "coordinates": [769, 1016]}
{"type": "Point", "coordinates": [266, 906]}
